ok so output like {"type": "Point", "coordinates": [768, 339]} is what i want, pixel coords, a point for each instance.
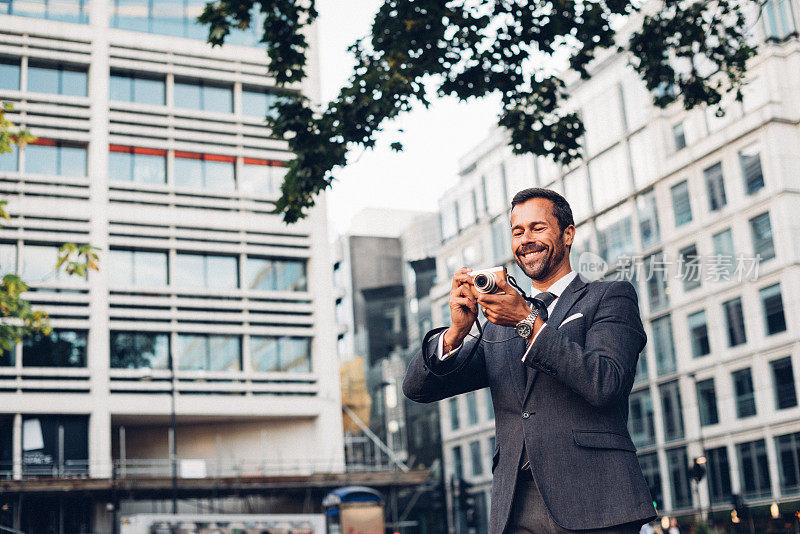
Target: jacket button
{"type": "Point", "coordinates": [525, 415]}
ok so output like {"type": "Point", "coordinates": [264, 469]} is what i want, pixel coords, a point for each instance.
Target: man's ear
{"type": "Point", "coordinates": [569, 235]}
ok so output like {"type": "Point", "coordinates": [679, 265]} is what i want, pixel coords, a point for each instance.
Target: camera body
{"type": "Point", "coordinates": [485, 280]}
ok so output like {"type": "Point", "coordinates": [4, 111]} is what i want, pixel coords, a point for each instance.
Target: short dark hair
{"type": "Point", "coordinates": [561, 210]}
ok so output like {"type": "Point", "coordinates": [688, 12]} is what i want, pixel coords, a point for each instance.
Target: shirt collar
{"type": "Point", "coordinates": [557, 287]}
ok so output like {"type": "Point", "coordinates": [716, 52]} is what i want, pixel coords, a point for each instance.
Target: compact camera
{"type": "Point", "coordinates": [485, 280]}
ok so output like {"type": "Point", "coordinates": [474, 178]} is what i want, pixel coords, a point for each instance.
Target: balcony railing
{"type": "Point", "coordinates": [190, 468]}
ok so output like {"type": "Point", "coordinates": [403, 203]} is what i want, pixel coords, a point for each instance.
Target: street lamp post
{"type": "Point", "coordinates": [172, 445]}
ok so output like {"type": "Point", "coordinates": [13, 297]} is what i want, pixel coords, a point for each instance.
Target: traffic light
{"type": "Point", "coordinates": [468, 503]}
{"type": "Point", "coordinates": [699, 469]}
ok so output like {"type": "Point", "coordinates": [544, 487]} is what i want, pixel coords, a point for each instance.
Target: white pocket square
{"type": "Point", "coordinates": [571, 317]}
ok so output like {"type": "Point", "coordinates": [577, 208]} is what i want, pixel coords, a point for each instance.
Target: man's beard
{"type": "Point", "coordinates": [542, 268]}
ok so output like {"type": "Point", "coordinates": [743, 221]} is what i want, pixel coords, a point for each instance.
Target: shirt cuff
{"type": "Point", "coordinates": [525, 356]}
{"type": "Point", "coordinates": [440, 349]}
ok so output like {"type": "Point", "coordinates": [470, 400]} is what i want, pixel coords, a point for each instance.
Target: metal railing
{"type": "Point", "coordinates": [194, 468]}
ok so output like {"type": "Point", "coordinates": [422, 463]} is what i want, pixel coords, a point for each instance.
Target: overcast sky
{"type": "Point", "coordinates": [433, 139]}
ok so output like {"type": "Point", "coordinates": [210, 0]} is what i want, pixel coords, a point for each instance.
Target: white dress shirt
{"type": "Point", "coordinates": [556, 288]}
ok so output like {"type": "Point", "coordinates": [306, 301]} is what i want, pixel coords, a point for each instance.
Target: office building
{"type": "Point", "coordinates": [152, 146]}
{"type": "Point", "coordinates": [699, 207]}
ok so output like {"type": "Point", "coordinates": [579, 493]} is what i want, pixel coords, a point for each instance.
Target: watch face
{"type": "Point", "coordinates": [524, 330]}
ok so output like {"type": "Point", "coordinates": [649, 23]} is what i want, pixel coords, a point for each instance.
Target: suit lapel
{"type": "Point", "coordinates": [566, 301]}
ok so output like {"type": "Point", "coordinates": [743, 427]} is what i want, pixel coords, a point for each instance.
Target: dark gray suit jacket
{"type": "Point", "coordinates": [570, 412]}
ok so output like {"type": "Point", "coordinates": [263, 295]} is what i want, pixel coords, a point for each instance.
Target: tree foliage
{"type": "Point", "coordinates": [687, 50]}
{"type": "Point", "coordinates": [18, 319]}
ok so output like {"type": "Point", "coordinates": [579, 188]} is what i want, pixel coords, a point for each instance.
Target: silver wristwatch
{"type": "Point", "coordinates": [524, 328]}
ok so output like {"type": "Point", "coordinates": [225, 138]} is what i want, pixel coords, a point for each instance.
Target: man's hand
{"type": "Point", "coordinates": [463, 309]}
{"type": "Point", "coordinates": [504, 310]}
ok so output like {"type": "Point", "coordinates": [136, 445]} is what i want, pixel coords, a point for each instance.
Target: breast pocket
{"type": "Point", "coordinates": [574, 329]}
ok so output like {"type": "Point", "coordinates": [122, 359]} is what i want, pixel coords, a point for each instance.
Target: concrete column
{"type": "Point", "coordinates": [98, 345]}
{"type": "Point", "coordinates": [16, 447]}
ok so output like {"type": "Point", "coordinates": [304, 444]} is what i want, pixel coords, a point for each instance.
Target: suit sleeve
{"type": "Point", "coordinates": [602, 370]}
{"type": "Point", "coordinates": [421, 385]}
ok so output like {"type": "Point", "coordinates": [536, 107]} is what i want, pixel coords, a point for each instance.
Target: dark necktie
{"type": "Point", "coordinates": [543, 301]}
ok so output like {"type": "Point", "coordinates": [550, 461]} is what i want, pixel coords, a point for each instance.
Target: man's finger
{"type": "Point", "coordinates": [460, 277]}
{"type": "Point", "coordinates": [461, 301]}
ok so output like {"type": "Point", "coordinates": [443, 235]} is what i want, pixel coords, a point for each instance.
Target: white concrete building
{"type": "Point", "coordinates": [152, 147]}
{"type": "Point", "coordinates": [656, 189]}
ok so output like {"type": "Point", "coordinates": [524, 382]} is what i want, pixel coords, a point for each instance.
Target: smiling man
{"type": "Point", "coordinates": [560, 369]}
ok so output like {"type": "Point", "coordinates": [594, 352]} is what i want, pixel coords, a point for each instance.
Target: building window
{"type": "Point", "coordinates": [671, 410]}
{"type": "Point", "coordinates": [137, 268]}
{"type": "Point", "coordinates": [9, 162]}
{"type": "Point", "coordinates": [62, 348]}
{"type": "Point", "coordinates": [266, 274]}
{"type": "Point", "coordinates": [681, 205]}
{"type": "Point", "coordinates": [135, 164]}
{"type": "Point", "coordinates": [761, 233]}
{"type": "Point", "coordinates": [57, 79]}
{"type": "Point", "coordinates": [500, 246]}
{"type": "Point", "coordinates": [458, 463]}
{"type": "Point", "coordinates": [750, 163]}
{"type": "Point", "coordinates": [615, 233]}
{"type": "Point", "coordinates": [454, 422]}
{"type": "Point", "coordinates": [734, 319]}
{"type": "Point", "coordinates": [771, 301]}
{"type": "Point", "coordinates": [38, 264]}
{"type": "Point", "coordinates": [723, 254]}
{"type": "Point", "coordinates": [745, 396]}
{"type": "Point", "coordinates": [53, 444]}
{"type": "Point", "coordinates": [788, 449]}
{"type": "Point", "coordinates": [715, 186]}
{"type": "Point", "coordinates": [489, 404]}
{"type": "Point", "coordinates": [641, 375]}
{"type": "Point", "coordinates": [707, 402]}
{"type": "Point", "coordinates": [259, 103]}
{"type": "Point", "coordinates": [698, 330]}
{"type": "Point", "coordinates": [678, 467]}
{"type": "Point", "coordinates": [209, 352]}
{"type": "Point", "coordinates": [477, 458]}
{"type": "Point", "coordinates": [689, 266]}
{"type": "Point", "coordinates": [663, 345]}
{"type": "Point", "coordinates": [178, 19]}
{"type": "Point", "coordinates": [679, 136]}
{"type": "Point", "coordinates": [280, 354]}
{"type": "Point", "coordinates": [655, 271]}
{"type": "Point", "coordinates": [719, 474]}
{"type": "Point", "coordinates": [205, 171]}
{"type": "Point", "coordinates": [51, 157]}
{"type": "Point", "coordinates": [648, 219]}
{"type": "Point", "coordinates": [754, 469]}
{"type": "Point", "coordinates": [9, 73]}
{"type": "Point", "coordinates": [640, 419]}
{"type": "Point", "coordinates": [136, 350]}
{"type": "Point", "coordinates": [783, 379]}
{"type": "Point", "coordinates": [778, 19]}
{"type": "Point", "coordinates": [200, 271]}
{"type": "Point", "coordinates": [472, 408]}
{"type": "Point", "coordinates": [137, 88]}
{"type": "Point", "coordinates": [204, 96]}
{"type": "Point", "coordinates": [652, 474]}
{"type": "Point", "coordinates": [63, 10]}
{"type": "Point", "coordinates": [261, 177]}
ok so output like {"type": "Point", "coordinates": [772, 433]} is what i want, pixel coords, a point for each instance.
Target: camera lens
{"type": "Point", "coordinates": [485, 283]}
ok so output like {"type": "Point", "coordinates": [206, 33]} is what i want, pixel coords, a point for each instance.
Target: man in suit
{"type": "Point", "coordinates": [560, 369]}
